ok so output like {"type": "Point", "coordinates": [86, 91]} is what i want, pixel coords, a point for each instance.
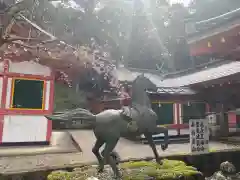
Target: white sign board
{"type": "Point", "coordinates": [199, 135]}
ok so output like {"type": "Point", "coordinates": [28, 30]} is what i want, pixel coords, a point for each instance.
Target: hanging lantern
{"type": "Point", "coordinates": [209, 44]}
{"type": "Point", "coordinates": [223, 40]}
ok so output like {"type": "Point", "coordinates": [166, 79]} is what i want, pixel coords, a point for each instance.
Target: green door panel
{"type": "Point", "coordinates": [164, 112]}
{"type": "Point", "coordinates": [193, 110]}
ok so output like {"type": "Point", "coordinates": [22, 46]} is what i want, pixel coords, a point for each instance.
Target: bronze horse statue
{"type": "Point", "coordinates": [109, 125]}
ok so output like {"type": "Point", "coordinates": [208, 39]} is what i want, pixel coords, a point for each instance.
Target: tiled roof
{"type": "Point", "coordinates": [203, 34]}
{"type": "Point", "coordinates": [210, 73]}
{"type": "Point", "coordinates": [197, 77]}
{"type": "Point", "coordinates": [125, 75]}
{"type": "Point", "coordinates": [215, 25]}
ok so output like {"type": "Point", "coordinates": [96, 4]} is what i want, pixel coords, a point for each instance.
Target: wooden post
{"type": "Point", "coordinates": [77, 87]}
{"type": "Point", "coordinates": [223, 121]}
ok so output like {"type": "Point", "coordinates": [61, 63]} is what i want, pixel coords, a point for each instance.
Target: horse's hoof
{"type": "Point", "coordinates": [164, 146]}
{"type": "Point", "coordinates": [116, 157]}
{"type": "Point", "coordinates": [117, 177]}
{"type": "Point", "coordinates": [100, 169]}
{"type": "Point", "coordinates": [159, 161]}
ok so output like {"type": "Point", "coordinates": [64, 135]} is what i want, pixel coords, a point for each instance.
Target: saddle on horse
{"type": "Point", "coordinates": [127, 116]}
{"type": "Point", "coordinates": [126, 113]}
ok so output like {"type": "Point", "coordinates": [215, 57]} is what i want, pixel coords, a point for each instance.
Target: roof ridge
{"type": "Point", "coordinates": [224, 15]}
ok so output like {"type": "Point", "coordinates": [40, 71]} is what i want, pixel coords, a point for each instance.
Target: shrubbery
{"type": "Point", "coordinates": [67, 98]}
{"type": "Point", "coordinates": [139, 170]}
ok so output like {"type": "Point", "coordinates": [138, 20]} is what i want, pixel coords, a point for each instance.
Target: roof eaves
{"type": "Point", "coordinates": [208, 74]}
{"type": "Point", "coordinates": [126, 75]}
{"type": "Point", "coordinates": [174, 91]}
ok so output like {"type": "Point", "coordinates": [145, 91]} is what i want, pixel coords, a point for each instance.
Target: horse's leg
{"type": "Point", "coordinates": [153, 146]}
{"type": "Point", "coordinates": [116, 157]}
{"type": "Point", "coordinates": [107, 155]}
{"type": "Point", "coordinates": [163, 130]}
{"type": "Point", "coordinates": [98, 144]}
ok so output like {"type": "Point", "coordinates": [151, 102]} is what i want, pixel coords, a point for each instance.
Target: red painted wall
{"type": "Point", "coordinates": [231, 37]}
{"type": "Point", "coordinates": [232, 119]}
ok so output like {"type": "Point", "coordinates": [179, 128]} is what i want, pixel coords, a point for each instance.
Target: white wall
{"type": "Point", "coordinates": [23, 128]}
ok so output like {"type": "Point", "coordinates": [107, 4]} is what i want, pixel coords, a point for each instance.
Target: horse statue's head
{"type": "Point", "coordinates": [139, 94]}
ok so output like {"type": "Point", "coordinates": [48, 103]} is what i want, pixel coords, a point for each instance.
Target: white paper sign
{"type": "Point", "coordinates": [199, 135]}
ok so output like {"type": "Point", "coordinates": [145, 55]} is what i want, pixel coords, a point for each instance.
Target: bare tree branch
{"type": "Point", "coordinates": [8, 28]}
{"type": "Point", "coordinates": [38, 27]}
{"type": "Point", "coordinates": [9, 20]}
{"type": "Point", "coordinates": [18, 7]}
{"type": "Point", "coordinates": [12, 38]}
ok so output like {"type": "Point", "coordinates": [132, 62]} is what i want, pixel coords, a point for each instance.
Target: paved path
{"type": "Point", "coordinates": [61, 142]}
{"type": "Point", "coordinates": [85, 138]}
{"type": "Point", "coordinates": [128, 149]}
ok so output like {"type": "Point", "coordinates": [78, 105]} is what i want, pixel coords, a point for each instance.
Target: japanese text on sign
{"type": "Point", "coordinates": [199, 135]}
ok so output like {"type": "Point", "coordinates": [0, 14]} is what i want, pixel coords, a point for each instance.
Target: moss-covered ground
{"type": "Point", "coordinates": [139, 170]}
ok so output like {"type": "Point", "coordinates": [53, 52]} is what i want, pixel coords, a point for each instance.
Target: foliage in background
{"type": "Point", "coordinates": [68, 98]}
{"type": "Point", "coordinates": [140, 34]}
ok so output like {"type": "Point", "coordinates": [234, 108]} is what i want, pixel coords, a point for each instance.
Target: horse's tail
{"type": "Point", "coordinates": [78, 114]}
